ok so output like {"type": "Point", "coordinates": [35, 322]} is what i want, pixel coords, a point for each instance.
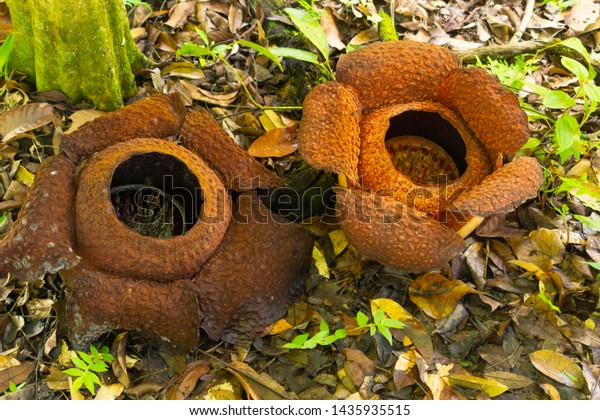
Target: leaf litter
{"type": "Point", "coordinates": [514, 316]}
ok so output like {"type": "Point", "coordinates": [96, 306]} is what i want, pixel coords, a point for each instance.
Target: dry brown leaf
{"type": "Point", "coordinates": [183, 69]}
{"type": "Point", "coordinates": [436, 295]}
{"type": "Point", "coordinates": [15, 374]}
{"type": "Point", "coordinates": [39, 308]}
{"type": "Point", "coordinates": [180, 12]}
{"type": "Point", "coordinates": [404, 374]}
{"type": "Point", "coordinates": [278, 142]}
{"type": "Point", "coordinates": [591, 373]}
{"type": "Point", "coordinates": [584, 13]}
{"type": "Point", "coordinates": [187, 382]}
{"type": "Point", "coordinates": [18, 121]}
{"type": "Point", "coordinates": [511, 380]}
{"type": "Point", "coordinates": [558, 367]}
{"type": "Point", "coordinates": [236, 18]}
{"type": "Point", "coordinates": [331, 30]}
{"type": "Point", "coordinates": [57, 380]}
{"type": "Point", "coordinates": [489, 387]}
{"type": "Point", "coordinates": [543, 247]}
{"type": "Point", "coordinates": [109, 392]}
{"type": "Point", "coordinates": [258, 386]}
{"type": "Point", "coordinates": [119, 364]}
{"type": "Point", "coordinates": [358, 366]}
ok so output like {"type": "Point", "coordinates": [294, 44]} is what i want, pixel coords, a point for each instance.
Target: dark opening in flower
{"type": "Point", "coordinates": [156, 195]}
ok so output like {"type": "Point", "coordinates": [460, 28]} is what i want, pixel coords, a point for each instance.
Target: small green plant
{"type": "Point", "coordinates": [5, 52]}
{"type": "Point", "coordinates": [14, 388]}
{"type": "Point", "coordinates": [381, 324]}
{"type": "Point", "coordinates": [134, 3]}
{"type": "Point", "coordinates": [559, 5]}
{"type": "Point", "coordinates": [87, 366]}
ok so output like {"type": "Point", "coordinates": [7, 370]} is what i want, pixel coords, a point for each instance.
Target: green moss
{"type": "Point", "coordinates": [83, 49]}
{"type": "Point", "coordinates": [387, 31]}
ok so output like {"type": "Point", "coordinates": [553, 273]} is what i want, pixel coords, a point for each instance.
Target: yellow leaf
{"type": "Point", "coordinates": [24, 176]}
{"type": "Point", "coordinates": [280, 326]}
{"type": "Point", "coordinates": [551, 391]}
{"type": "Point", "coordinates": [511, 380]}
{"type": "Point", "coordinates": [489, 387]}
{"type": "Point", "coordinates": [277, 142]}
{"type": "Point", "coordinates": [558, 367]}
{"type": "Point", "coordinates": [436, 295]}
{"type": "Point", "coordinates": [270, 120]}
{"type": "Point", "coordinates": [339, 241]}
{"type": "Point", "coordinates": [531, 267]}
{"type": "Point", "coordinates": [320, 262]}
{"type": "Point", "coordinates": [543, 247]}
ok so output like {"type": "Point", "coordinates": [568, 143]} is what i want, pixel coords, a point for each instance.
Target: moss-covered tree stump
{"type": "Point", "coordinates": [82, 48]}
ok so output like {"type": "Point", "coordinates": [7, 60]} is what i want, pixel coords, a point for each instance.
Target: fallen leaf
{"type": "Point", "coordinates": [78, 118]}
{"type": "Point", "coordinates": [39, 308]}
{"type": "Point", "coordinates": [591, 373]}
{"type": "Point", "coordinates": [558, 367]}
{"type": "Point", "coordinates": [403, 370]}
{"type": "Point", "coordinates": [413, 329]}
{"type": "Point", "coordinates": [339, 241]}
{"type": "Point", "coordinates": [436, 295]}
{"type": "Point", "coordinates": [24, 176]}
{"type": "Point", "coordinates": [270, 120]}
{"type": "Point", "coordinates": [180, 12]}
{"type": "Point", "coordinates": [119, 364]}
{"type": "Point", "coordinates": [187, 382]}
{"type": "Point", "coordinates": [584, 13]}
{"type": "Point", "coordinates": [16, 374]}
{"type": "Point", "coordinates": [511, 380]}
{"type": "Point", "coordinates": [222, 391]}
{"type": "Point", "coordinates": [278, 142]}
{"type": "Point", "coordinates": [358, 365]}
{"type": "Point", "coordinates": [280, 327]}
{"type": "Point", "coordinates": [258, 386]}
{"type": "Point", "coordinates": [551, 391]}
{"type": "Point", "coordinates": [236, 18]}
{"type": "Point", "coordinates": [18, 121]}
{"type": "Point", "coordinates": [57, 380]}
{"type": "Point", "coordinates": [489, 387]}
{"type": "Point", "coordinates": [109, 392]}
{"type": "Point", "coordinates": [543, 247]}
{"type": "Point", "coordinates": [320, 262]}
{"type": "Point", "coordinates": [183, 69]}
{"type": "Point", "coordinates": [331, 30]}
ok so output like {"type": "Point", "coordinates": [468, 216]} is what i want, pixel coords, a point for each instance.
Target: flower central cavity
{"type": "Point", "coordinates": [156, 195]}
{"type": "Point", "coordinates": [425, 147]}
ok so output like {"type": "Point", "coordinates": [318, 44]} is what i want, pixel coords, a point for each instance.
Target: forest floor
{"type": "Point", "coordinates": [516, 315]}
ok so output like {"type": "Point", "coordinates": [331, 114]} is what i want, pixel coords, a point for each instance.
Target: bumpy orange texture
{"type": "Point", "coordinates": [238, 170]}
{"type": "Point", "coordinates": [490, 110]}
{"type": "Point", "coordinates": [390, 73]}
{"type": "Point", "coordinates": [111, 245]}
{"type": "Point", "coordinates": [329, 135]}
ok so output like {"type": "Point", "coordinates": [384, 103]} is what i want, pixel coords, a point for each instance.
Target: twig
{"type": "Point", "coordinates": [524, 22]}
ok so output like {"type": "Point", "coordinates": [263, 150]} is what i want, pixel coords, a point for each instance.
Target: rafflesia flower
{"type": "Point", "coordinates": [419, 144]}
{"type": "Point", "coordinates": [149, 234]}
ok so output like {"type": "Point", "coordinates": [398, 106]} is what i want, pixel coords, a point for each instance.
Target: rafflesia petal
{"type": "Point", "coordinates": [237, 169]}
{"type": "Point", "coordinates": [504, 190]}
{"type": "Point", "coordinates": [42, 239]}
{"type": "Point", "coordinates": [490, 110]}
{"type": "Point", "coordinates": [384, 229]}
{"type": "Point", "coordinates": [395, 72]}
{"type": "Point", "coordinates": [99, 302]}
{"type": "Point", "coordinates": [329, 131]}
{"type": "Point", "coordinates": [154, 116]}
{"type": "Point", "coordinates": [249, 282]}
